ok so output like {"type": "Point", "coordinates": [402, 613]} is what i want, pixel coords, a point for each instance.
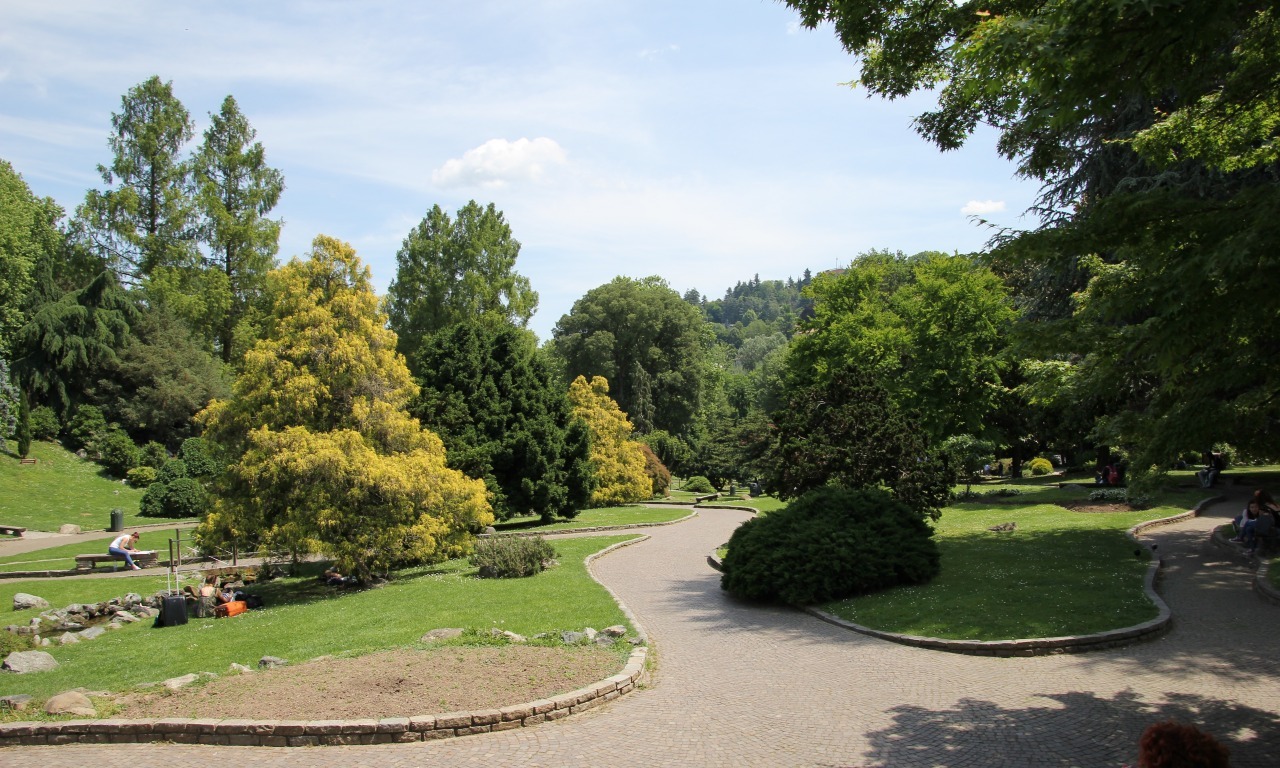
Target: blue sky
{"type": "Point", "coordinates": [703, 142]}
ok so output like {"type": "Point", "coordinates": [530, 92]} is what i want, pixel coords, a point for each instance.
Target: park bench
{"type": "Point", "coordinates": [143, 559]}
{"type": "Point", "coordinates": [13, 530]}
{"type": "Point", "coordinates": [708, 497]}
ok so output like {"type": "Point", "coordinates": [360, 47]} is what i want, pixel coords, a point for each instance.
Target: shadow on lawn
{"type": "Point", "coordinates": [1070, 729]}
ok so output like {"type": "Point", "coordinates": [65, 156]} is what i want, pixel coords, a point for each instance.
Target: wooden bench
{"type": "Point", "coordinates": [13, 530]}
{"type": "Point", "coordinates": [708, 497]}
{"type": "Point", "coordinates": [143, 559]}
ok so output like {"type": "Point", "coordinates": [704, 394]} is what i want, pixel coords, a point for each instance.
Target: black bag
{"type": "Point", "coordinates": [253, 601]}
{"type": "Point", "coordinates": [173, 611]}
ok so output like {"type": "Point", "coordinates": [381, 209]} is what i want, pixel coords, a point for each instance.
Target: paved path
{"type": "Point", "coordinates": [741, 685]}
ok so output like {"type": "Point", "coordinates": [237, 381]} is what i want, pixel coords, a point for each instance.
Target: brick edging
{"type": "Point", "coordinates": [317, 733]}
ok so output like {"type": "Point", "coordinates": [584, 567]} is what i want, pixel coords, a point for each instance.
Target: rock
{"type": "Point", "coordinates": [444, 633]}
{"type": "Point", "coordinates": [590, 633]}
{"type": "Point", "coordinates": [512, 637]}
{"type": "Point", "coordinates": [240, 669]}
{"type": "Point", "coordinates": [603, 639]}
{"type": "Point", "coordinates": [617, 630]}
{"type": "Point", "coordinates": [571, 638]}
{"type": "Point", "coordinates": [18, 702]}
{"type": "Point", "coordinates": [271, 662]}
{"type": "Point", "coordinates": [93, 632]}
{"type": "Point", "coordinates": [69, 528]}
{"type": "Point", "coordinates": [126, 617]}
{"type": "Point", "coordinates": [68, 638]}
{"type": "Point", "coordinates": [68, 626]}
{"type": "Point", "coordinates": [489, 530]}
{"type": "Point", "coordinates": [146, 612]}
{"type": "Point", "coordinates": [22, 601]}
{"type": "Point", "coordinates": [174, 683]}
{"type": "Point", "coordinates": [70, 703]}
{"type": "Point", "coordinates": [18, 629]}
{"type": "Point", "coordinates": [45, 642]}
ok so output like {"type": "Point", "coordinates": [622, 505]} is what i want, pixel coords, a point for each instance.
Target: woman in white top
{"type": "Point", "coordinates": [122, 547]}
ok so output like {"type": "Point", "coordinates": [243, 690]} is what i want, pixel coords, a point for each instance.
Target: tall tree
{"type": "Point", "coordinates": [647, 341]}
{"type": "Point", "coordinates": [145, 220]}
{"type": "Point", "coordinates": [449, 270]}
{"type": "Point", "coordinates": [236, 190]}
{"type": "Point", "coordinates": [26, 233]}
{"type": "Point", "coordinates": [504, 418]}
{"type": "Point", "coordinates": [320, 449]}
{"type": "Point", "coordinates": [617, 460]}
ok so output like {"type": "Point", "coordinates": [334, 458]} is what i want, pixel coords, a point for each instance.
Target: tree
{"type": "Point", "coordinates": [504, 418]}
{"type": "Point", "coordinates": [26, 234]}
{"type": "Point", "coordinates": [1153, 130]}
{"type": "Point", "coordinates": [450, 270]}
{"type": "Point", "coordinates": [147, 220]}
{"type": "Point", "coordinates": [641, 336]}
{"type": "Point", "coordinates": [320, 450]}
{"type": "Point", "coordinates": [618, 461]}
{"type": "Point", "coordinates": [236, 190]}
{"type": "Point", "coordinates": [845, 430]}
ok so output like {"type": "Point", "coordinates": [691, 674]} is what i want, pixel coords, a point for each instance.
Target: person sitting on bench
{"type": "Point", "coordinates": [122, 548]}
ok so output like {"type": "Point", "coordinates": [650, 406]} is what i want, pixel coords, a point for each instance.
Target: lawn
{"type": "Point", "coordinates": [595, 518]}
{"type": "Point", "coordinates": [63, 558]}
{"type": "Point", "coordinates": [1060, 573]}
{"type": "Point", "coordinates": [304, 619]}
{"type": "Point", "coordinates": [61, 488]}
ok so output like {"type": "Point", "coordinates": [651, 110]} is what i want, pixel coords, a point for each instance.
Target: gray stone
{"type": "Point", "coordinates": [18, 702]}
{"type": "Point", "coordinates": [512, 637]}
{"type": "Point", "coordinates": [126, 617]}
{"type": "Point", "coordinates": [174, 683]}
{"type": "Point", "coordinates": [603, 639]}
{"type": "Point", "coordinates": [444, 633]}
{"type": "Point", "coordinates": [590, 633]}
{"type": "Point", "coordinates": [271, 662]}
{"type": "Point", "coordinates": [70, 703]}
{"type": "Point", "coordinates": [617, 630]}
{"type": "Point", "coordinates": [240, 669]}
{"type": "Point", "coordinates": [69, 528]}
{"type": "Point", "coordinates": [93, 632]}
{"type": "Point", "coordinates": [22, 601]}
{"type": "Point", "coordinates": [68, 638]}
{"type": "Point", "coordinates": [571, 638]}
{"type": "Point", "coordinates": [489, 530]}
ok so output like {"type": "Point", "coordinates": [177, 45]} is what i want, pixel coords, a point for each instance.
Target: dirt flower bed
{"type": "Point", "coordinates": [388, 684]}
{"type": "Point", "coordinates": [1089, 506]}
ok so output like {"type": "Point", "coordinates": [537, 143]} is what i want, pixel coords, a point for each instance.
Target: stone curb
{"type": "Point", "coordinates": [322, 733]}
{"type": "Point", "coordinates": [593, 529]}
{"type": "Point", "coordinates": [1043, 646]}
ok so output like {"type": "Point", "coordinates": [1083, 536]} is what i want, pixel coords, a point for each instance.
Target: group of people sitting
{"type": "Point", "coordinates": [203, 602]}
{"type": "Point", "coordinates": [1257, 521]}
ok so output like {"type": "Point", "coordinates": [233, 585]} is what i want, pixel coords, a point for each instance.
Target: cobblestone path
{"type": "Point", "coordinates": [741, 686]}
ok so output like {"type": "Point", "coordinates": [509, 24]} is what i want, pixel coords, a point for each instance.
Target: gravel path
{"type": "Point", "coordinates": [739, 685]}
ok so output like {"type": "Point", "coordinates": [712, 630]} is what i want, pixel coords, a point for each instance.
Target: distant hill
{"type": "Point", "coordinates": [61, 488]}
{"type": "Point", "coordinates": [755, 308]}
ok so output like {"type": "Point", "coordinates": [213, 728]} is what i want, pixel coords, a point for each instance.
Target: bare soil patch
{"type": "Point", "coordinates": [1085, 506]}
{"type": "Point", "coordinates": [398, 683]}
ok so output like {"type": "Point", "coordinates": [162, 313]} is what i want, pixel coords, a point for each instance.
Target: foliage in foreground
{"type": "Point", "coordinates": [828, 544]}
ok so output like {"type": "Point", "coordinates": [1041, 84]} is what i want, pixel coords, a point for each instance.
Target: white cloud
{"type": "Point", "coordinates": [653, 53]}
{"type": "Point", "coordinates": [498, 162]}
{"type": "Point", "coordinates": [793, 27]}
{"type": "Point", "coordinates": [982, 207]}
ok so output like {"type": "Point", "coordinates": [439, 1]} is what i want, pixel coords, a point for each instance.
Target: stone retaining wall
{"type": "Point", "coordinates": [314, 733]}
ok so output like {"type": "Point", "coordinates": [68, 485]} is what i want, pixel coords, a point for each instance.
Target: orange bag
{"type": "Point", "coordinates": [227, 610]}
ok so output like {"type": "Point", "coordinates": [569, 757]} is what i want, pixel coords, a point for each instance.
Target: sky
{"type": "Point", "coordinates": [703, 142]}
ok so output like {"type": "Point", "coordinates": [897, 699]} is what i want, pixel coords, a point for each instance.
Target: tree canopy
{"type": "Point", "coordinates": [618, 461]}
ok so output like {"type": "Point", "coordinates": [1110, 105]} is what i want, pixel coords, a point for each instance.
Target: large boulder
{"type": "Point", "coordinates": [22, 601]}
{"type": "Point", "coordinates": [25, 662]}
{"type": "Point", "coordinates": [69, 528]}
{"type": "Point", "coordinates": [70, 703]}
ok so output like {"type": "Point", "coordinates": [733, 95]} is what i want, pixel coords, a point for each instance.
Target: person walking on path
{"type": "Point", "coordinates": [122, 548]}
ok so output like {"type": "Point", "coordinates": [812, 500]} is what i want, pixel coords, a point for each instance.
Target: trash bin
{"type": "Point", "coordinates": [117, 519]}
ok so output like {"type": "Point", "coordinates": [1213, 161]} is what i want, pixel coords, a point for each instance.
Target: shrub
{"type": "Point", "coordinates": [173, 469]}
{"type": "Point", "coordinates": [1040, 466]}
{"type": "Point", "coordinates": [86, 426]}
{"type": "Point", "coordinates": [990, 493]}
{"type": "Point", "coordinates": [44, 423]}
{"type": "Point", "coordinates": [507, 557]}
{"type": "Point", "coordinates": [141, 477]}
{"type": "Point", "coordinates": [154, 455]}
{"type": "Point", "coordinates": [698, 484]}
{"type": "Point", "coordinates": [181, 497]}
{"type": "Point", "coordinates": [1113, 495]}
{"type": "Point", "coordinates": [117, 451]}
{"type": "Point", "coordinates": [194, 452]}
{"type": "Point", "coordinates": [828, 544]}
{"type": "Point", "coordinates": [658, 474]}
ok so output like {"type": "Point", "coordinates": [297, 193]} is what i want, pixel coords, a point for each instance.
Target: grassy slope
{"type": "Point", "coordinates": [62, 558]}
{"type": "Point", "coordinates": [61, 488]}
{"type": "Point", "coordinates": [305, 619]}
{"type": "Point", "coordinates": [591, 518]}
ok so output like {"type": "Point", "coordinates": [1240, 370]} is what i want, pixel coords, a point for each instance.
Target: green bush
{"type": "Point", "coordinates": [154, 455]}
{"type": "Point", "coordinates": [698, 484]}
{"type": "Point", "coordinates": [507, 557]}
{"type": "Point", "coordinates": [181, 497]}
{"type": "Point", "coordinates": [828, 544]}
{"type": "Point", "coordinates": [44, 423]}
{"type": "Point", "coordinates": [194, 452]}
{"type": "Point", "coordinates": [87, 425]}
{"type": "Point", "coordinates": [117, 451]}
{"type": "Point", "coordinates": [173, 469]}
{"type": "Point", "coordinates": [1040, 466]}
{"type": "Point", "coordinates": [141, 477]}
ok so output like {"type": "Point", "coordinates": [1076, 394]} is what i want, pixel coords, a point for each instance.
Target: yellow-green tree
{"type": "Point", "coordinates": [321, 452]}
{"type": "Point", "coordinates": [618, 460]}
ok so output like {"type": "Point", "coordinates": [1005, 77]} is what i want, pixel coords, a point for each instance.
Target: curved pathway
{"type": "Point", "coordinates": [741, 685]}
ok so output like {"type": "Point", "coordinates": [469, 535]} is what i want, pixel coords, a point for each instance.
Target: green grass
{"type": "Point", "coordinates": [594, 518]}
{"type": "Point", "coordinates": [304, 619]}
{"type": "Point", "coordinates": [763, 504]}
{"type": "Point", "coordinates": [62, 558]}
{"type": "Point", "coordinates": [1059, 573]}
{"type": "Point", "coordinates": [61, 488]}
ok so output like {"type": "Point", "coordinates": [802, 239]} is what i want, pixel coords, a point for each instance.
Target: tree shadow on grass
{"type": "Point", "coordinates": [1070, 729]}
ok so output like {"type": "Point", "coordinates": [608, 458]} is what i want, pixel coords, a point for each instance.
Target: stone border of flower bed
{"type": "Point", "coordinates": [318, 733]}
{"type": "Point", "coordinates": [1043, 646]}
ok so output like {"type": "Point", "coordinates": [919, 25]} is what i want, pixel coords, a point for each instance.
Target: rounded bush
{"type": "Point", "coordinates": [173, 469]}
{"type": "Point", "coordinates": [195, 453]}
{"type": "Point", "coordinates": [698, 484]}
{"type": "Point", "coordinates": [86, 426]}
{"type": "Point", "coordinates": [182, 497]}
{"type": "Point", "coordinates": [1040, 466]}
{"type": "Point", "coordinates": [141, 477]}
{"type": "Point", "coordinates": [44, 423]}
{"type": "Point", "coordinates": [829, 544]}
{"type": "Point", "coordinates": [117, 451]}
{"type": "Point", "coordinates": [508, 557]}
{"type": "Point", "coordinates": [154, 455]}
